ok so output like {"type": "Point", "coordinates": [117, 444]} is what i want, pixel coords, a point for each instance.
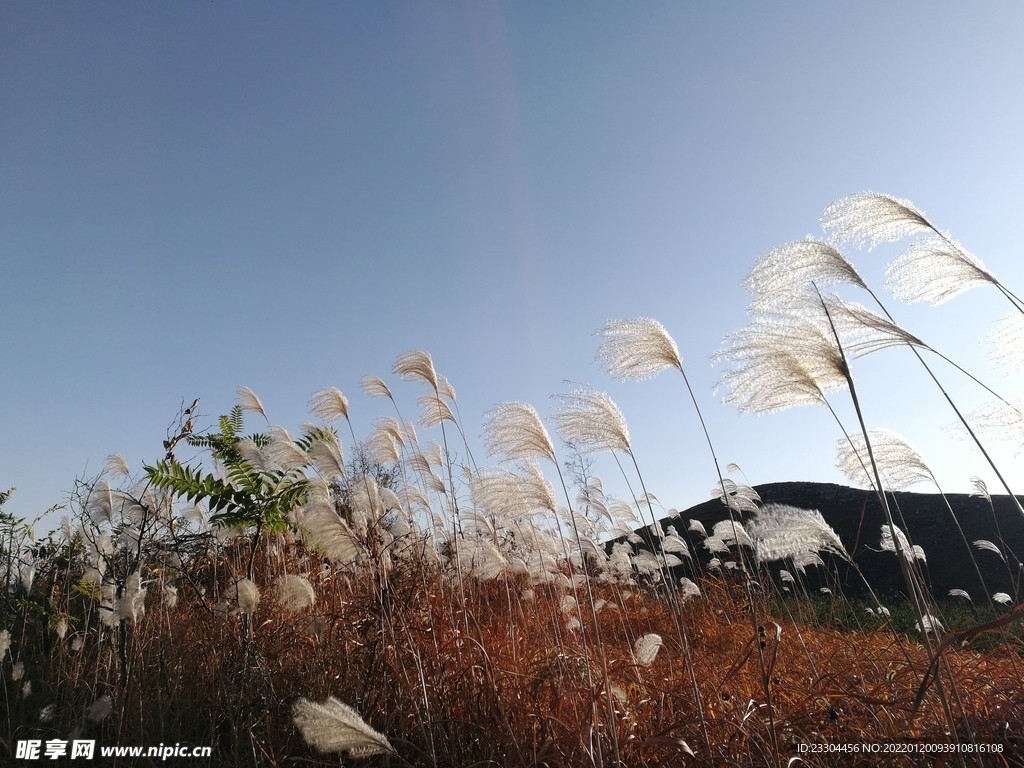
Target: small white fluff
{"type": "Point", "coordinates": [336, 727]}
{"type": "Point", "coordinates": [646, 649]}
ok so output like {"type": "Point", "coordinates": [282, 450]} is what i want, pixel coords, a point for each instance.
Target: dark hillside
{"type": "Point", "coordinates": [857, 517]}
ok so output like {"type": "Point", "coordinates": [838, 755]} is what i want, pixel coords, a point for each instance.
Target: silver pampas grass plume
{"type": "Point", "coordinates": [248, 597]}
{"type": "Point", "coordinates": [899, 464]}
{"type": "Point", "coordinates": [117, 466]}
{"type": "Point", "coordinates": [329, 404]}
{"type": "Point", "coordinates": [336, 727]}
{"type": "Point", "coordinates": [592, 422]}
{"type": "Point", "coordinates": [514, 430]}
{"type": "Point", "coordinates": [646, 649]}
{"type": "Point", "coordinates": [792, 267]}
{"type": "Point", "coordinates": [249, 402]}
{"type": "Point", "coordinates": [935, 270]}
{"type": "Point", "coordinates": [637, 349]}
{"type": "Point", "coordinates": [869, 218]}
{"type": "Point", "coordinates": [780, 531]}
{"type": "Point", "coordinates": [295, 593]}
{"type": "Point", "coordinates": [416, 365]}
{"type": "Point", "coordinates": [375, 387]}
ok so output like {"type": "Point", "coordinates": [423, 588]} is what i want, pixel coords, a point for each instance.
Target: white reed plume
{"type": "Point", "coordinates": [935, 270]}
{"type": "Point", "coordinates": [536, 489]}
{"type": "Point", "coordinates": [295, 593]}
{"type": "Point", "coordinates": [864, 331]}
{"type": "Point", "coordinates": [18, 671]}
{"type": "Point", "coordinates": [960, 593]}
{"type": "Point", "coordinates": [637, 349]}
{"type": "Point", "coordinates": [930, 623]}
{"type": "Point", "coordinates": [792, 267]}
{"type": "Point", "coordinates": [646, 649]}
{"type": "Point", "coordinates": [736, 496]}
{"type": "Point", "coordinates": [979, 488]}
{"type": "Point", "coordinates": [416, 365]}
{"type": "Point", "coordinates": [687, 589]}
{"type": "Point", "coordinates": [592, 422]}
{"type": "Point", "coordinates": [869, 218]}
{"type": "Point", "coordinates": [780, 531]}
{"type": "Point", "coordinates": [998, 420]}
{"type": "Point", "coordinates": [889, 545]}
{"type": "Point", "coordinates": [100, 502]}
{"type": "Point", "coordinates": [899, 464]}
{"type": "Point", "coordinates": [988, 546]}
{"type": "Point", "coordinates": [336, 727]}
{"type": "Point", "coordinates": [445, 388]}
{"type": "Point", "coordinates": [1002, 598]}
{"type": "Point", "coordinates": [169, 597]}
{"type": "Point", "coordinates": [383, 448]}
{"type": "Point", "coordinates": [514, 430]}
{"type": "Point", "coordinates": [117, 466]}
{"type": "Point", "coordinates": [326, 454]}
{"type": "Point", "coordinates": [1007, 340]}
{"type": "Point", "coordinates": [730, 532]}
{"type": "Point", "coordinates": [329, 404]}
{"type": "Point", "coordinates": [132, 605]}
{"type": "Point", "coordinates": [500, 493]}
{"type": "Point", "coordinates": [248, 595]}
{"type": "Point", "coordinates": [697, 527]}
{"type": "Point", "coordinates": [375, 387]}
{"type": "Point", "coordinates": [283, 453]}
{"type": "Point", "coordinates": [779, 361]}
{"type": "Point", "coordinates": [433, 411]}
{"type": "Point", "coordinates": [327, 532]}
{"type": "Point", "coordinates": [249, 402]}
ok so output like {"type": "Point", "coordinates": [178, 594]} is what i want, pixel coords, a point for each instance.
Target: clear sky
{"type": "Point", "coordinates": [196, 196]}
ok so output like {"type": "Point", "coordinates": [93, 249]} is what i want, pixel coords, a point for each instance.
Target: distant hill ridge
{"type": "Point", "coordinates": [856, 515]}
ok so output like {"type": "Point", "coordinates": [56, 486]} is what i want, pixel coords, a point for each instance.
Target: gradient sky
{"type": "Point", "coordinates": [196, 196]}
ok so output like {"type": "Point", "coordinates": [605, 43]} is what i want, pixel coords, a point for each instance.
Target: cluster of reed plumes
{"type": "Point", "coordinates": [407, 606]}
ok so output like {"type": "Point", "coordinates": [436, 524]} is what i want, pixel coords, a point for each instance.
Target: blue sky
{"type": "Point", "coordinates": [198, 196]}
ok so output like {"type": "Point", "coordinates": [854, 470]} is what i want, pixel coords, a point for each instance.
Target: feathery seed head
{"type": "Point", "coordinates": [935, 270]}
{"type": "Point", "coordinates": [514, 430]}
{"type": "Point", "coordinates": [959, 593]}
{"type": "Point", "coordinates": [899, 464]}
{"type": "Point", "coordinates": [1002, 598]}
{"type": "Point", "coordinates": [646, 649]}
{"type": "Point", "coordinates": [780, 531]}
{"type": "Point", "coordinates": [637, 349]}
{"type": "Point", "coordinates": [248, 596]}
{"type": "Point", "coordinates": [375, 387]}
{"type": "Point", "coordinates": [791, 268]}
{"type": "Point", "coordinates": [416, 365]}
{"type": "Point", "coordinates": [869, 218]}
{"type": "Point", "coordinates": [329, 404]}
{"type": "Point", "coordinates": [592, 422]}
{"type": "Point", "coordinates": [249, 402]}
{"type": "Point", "coordinates": [117, 465]}
{"type": "Point", "coordinates": [336, 727]}
{"type": "Point", "coordinates": [434, 410]}
{"type": "Point", "coordinates": [295, 593]}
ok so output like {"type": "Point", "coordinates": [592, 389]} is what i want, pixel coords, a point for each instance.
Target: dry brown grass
{"type": "Point", "coordinates": [497, 680]}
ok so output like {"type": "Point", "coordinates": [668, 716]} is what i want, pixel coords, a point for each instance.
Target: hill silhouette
{"type": "Point", "coordinates": [857, 516]}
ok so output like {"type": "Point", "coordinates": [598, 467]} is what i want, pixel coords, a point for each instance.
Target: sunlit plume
{"type": "Point", "coordinates": [514, 430]}
{"type": "Point", "coordinates": [1007, 340]}
{"type": "Point", "coordinates": [935, 270]}
{"type": "Point", "coordinates": [116, 466]}
{"type": "Point", "coordinates": [433, 411]}
{"type": "Point", "coordinates": [336, 727]}
{"type": "Point", "coordinates": [637, 349]}
{"type": "Point", "coordinates": [791, 268]}
{"type": "Point", "coordinates": [375, 387]}
{"type": "Point", "coordinates": [780, 531]}
{"type": "Point", "coordinates": [870, 218]}
{"type": "Point", "coordinates": [416, 365]}
{"type": "Point", "coordinates": [888, 544]}
{"type": "Point", "coordinates": [899, 464]}
{"type": "Point", "coordinates": [249, 402]}
{"type": "Point", "coordinates": [590, 421]}
{"type": "Point", "coordinates": [328, 404]}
